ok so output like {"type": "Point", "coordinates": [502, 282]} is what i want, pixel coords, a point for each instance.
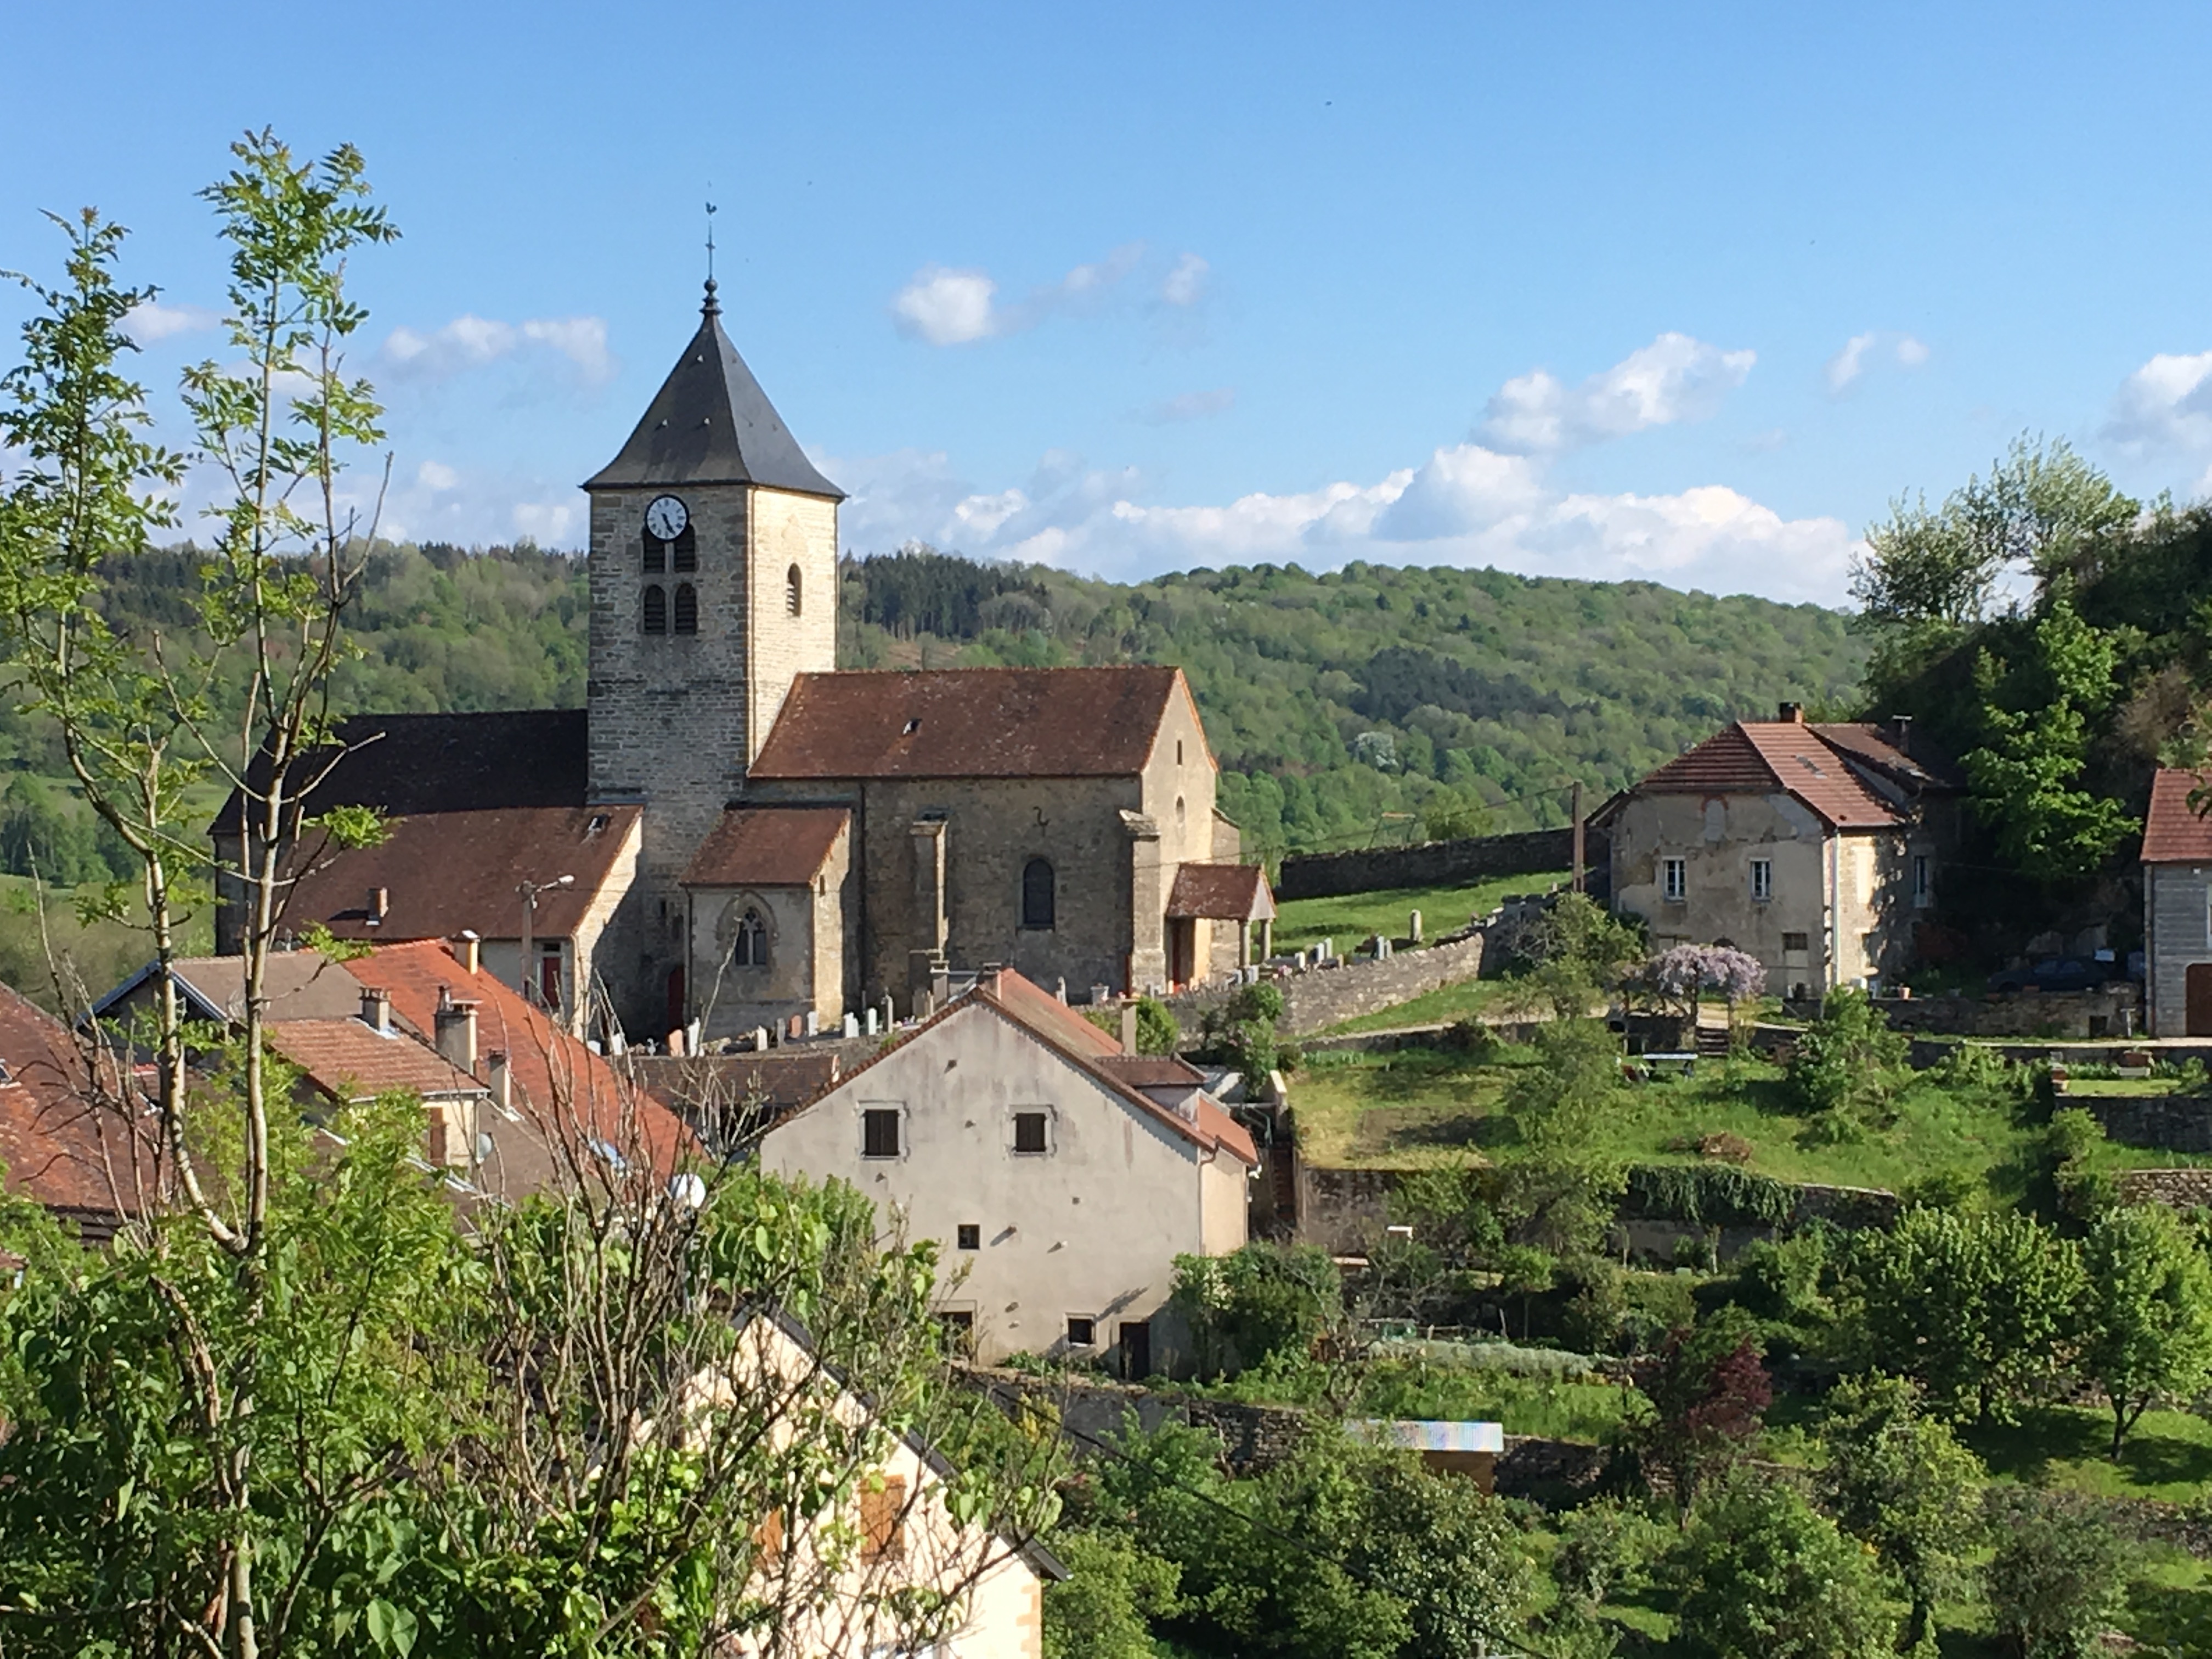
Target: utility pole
{"type": "Point", "coordinates": [1575, 811]}
{"type": "Point", "coordinates": [530, 891]}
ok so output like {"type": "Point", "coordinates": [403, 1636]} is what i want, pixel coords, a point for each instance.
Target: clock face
{"type": "Point", "coordinates": [665, 517]}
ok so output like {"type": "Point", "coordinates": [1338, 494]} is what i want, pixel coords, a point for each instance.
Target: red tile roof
{"type": "Point", "coordinates": [1923, 767]}
{"type": "Point", "coordinates": [556, 1082]}
{"type": "Point", "coordinates": [56, 1143]}
{"type": "Point", "coordinates": [1227, 892]}
{"type": "Point", "coordinates": [1765, 757]}
{"type": "Point", "coordinates": [347, 1060]}
{"type": "Point", "coordinates": [2174, 832]}
{"type": "Point", "coordinates": [767, 847]}
{"type": "Point", "coordinates": [443, 872]}
{"type": "Point", "coordinates": [970, 723]}
{"type": "Point", "coordinates": [1083, 1044]}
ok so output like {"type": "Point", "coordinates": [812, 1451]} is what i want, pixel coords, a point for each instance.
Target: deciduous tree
{"type": "Point", "coordinates": [2146, 1327]}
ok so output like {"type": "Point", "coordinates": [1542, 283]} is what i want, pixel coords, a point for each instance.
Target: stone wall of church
{"type": "Point", "coordinates": [805, 971]}
{"type": "Point", "coordinates": [790, 532]}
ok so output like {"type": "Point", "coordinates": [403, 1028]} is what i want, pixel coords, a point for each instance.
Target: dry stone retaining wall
{"type": "Point", "coordinates": [2111, 1010]}
{"type": "Point", "coordinates": [1321, 997]}
{"type": "Point", "coordinates": [2173, 1123]}
{"type": "Point", "coordinates": [1432, 864]}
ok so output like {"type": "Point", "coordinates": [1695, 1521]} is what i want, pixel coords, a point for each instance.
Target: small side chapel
{"type": "Point", "coordinates": [813, 842]}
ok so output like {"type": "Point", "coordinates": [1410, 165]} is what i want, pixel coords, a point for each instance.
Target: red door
{"type": "Point", "coordinates": [2198, 997]}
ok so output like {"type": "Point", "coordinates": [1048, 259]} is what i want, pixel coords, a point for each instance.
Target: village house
{"type": "Point", "coordinates": [1061, 1173]}
{"type": "Point", "coordinates": [2177, 866]}
{"type": "Point", "coordinates": [754, 836]}
{"type": "Point", "coordinates": [1816, 848]}
{"type": "Point", "coordinates": [65, 1144]}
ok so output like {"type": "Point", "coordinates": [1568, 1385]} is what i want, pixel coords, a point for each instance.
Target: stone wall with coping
{"type": "Point", "coordinates": [1432, 864]}
{"type": "Point", "coordinates": [2183, 1189]}
{"type": "Point", "coordinates": [2109, 1011]}
{"type": "Point", "coordinates": [2173, 1123]}
{"type": "Point", "coordinates": [1352, 987]}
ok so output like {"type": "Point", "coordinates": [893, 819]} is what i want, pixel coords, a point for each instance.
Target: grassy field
{"type": "Point", "coordinates": [97, 956]}
{"type": "Point", "coordinates": [1471, 998]}
{"type": "Point", "coordinates": [1352, 917]}
{"type": "Point", "coordinates": [1419, 1109]}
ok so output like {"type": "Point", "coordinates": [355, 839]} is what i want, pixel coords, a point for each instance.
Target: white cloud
{"type": "Point", "coordinates": [945, 305]}
{"type": "Point", "coordinates": [1186, 283]}
{"type": "Point", "coordinates": [151, 320]}
{"type": "Point", "coordinates": [437, 476]}
{"type": "Point", "coordinates": [1675, 378]}
{"type": "Point", "coordinates": [2166, 404]}
{"type": "Point", "coordinates": [1191, 406]}
{"type": "Point", "coordinates": [469, 342]}
{"type": "Point", "coordinates": [1847, 365]}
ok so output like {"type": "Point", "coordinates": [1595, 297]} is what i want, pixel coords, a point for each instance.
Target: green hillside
{"type": "Point", "coordinates": [1366, 705]}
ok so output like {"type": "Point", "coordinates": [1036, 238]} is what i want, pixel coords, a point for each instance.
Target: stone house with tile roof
{"type": "Point", "coordinates": [1815, 847]}
{"type": "Point", "coordinates": [2177, 865]}
{"type": "Point", "coordinates": [777, 838]}
{"type": "Point", "coordinates": [1060, 1175]}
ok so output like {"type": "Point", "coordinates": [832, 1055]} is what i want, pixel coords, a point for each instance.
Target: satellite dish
{"type": "Point", "coordinates": [485, 1147]}
{"type": "Point", "coordinates": [688, 1190]}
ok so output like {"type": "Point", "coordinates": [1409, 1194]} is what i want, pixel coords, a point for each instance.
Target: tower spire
{"type": "Point", "coordinates": [711, 306]}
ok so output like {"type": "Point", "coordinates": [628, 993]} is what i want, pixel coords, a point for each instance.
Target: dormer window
{"type": "Point", "coordinates": [656, 608]}
{"type": "Point", "coordinates": [687, 607]}
{"type": "Point", "coordinates": [790, 594]}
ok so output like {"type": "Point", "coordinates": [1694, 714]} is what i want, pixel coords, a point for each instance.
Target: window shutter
{"type": "Point", "coordinates": [882, 1521]}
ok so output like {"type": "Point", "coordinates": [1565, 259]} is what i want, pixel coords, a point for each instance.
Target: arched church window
{"type": "Point", "coordinates": [791, 592]}
{"type": "Point", "coordinates": [686, 608]}
{"type": "Point", "coordinates": [750, 949]}
{"type": "Point", "coordinates": [656, 608]}
{"type": "Point", "coordinates": [1039, 901]}
{"type": "Point", "coordinates": [656, 554]}
{"type": "Point", "coordinates": [685, 549]}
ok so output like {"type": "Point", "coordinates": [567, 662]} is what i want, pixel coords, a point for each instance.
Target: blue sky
{"type": "Point", "coordinates": [1682, 294]}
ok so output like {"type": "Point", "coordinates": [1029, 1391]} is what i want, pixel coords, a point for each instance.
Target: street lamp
{"type": "Point", "coordinates": [530, 891]}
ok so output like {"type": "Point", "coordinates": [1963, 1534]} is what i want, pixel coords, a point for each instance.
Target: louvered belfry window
{"type": "Point", "coordinates": [656, 609]}
{"type": "Point", "coordinates": [686, 608]}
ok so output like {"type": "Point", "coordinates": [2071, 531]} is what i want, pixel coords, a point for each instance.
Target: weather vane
{"type": "Point", "coordinates": [710, 239]}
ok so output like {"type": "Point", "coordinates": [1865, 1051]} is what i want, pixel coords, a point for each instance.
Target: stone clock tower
{"type": "Point", "coordinates": [713, 582]}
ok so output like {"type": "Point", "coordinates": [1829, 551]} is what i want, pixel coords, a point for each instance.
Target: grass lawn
{"type": "Point", "coordinates": [1417, 1109]}
{"type": "Point", "coordinates": [1351, 917]}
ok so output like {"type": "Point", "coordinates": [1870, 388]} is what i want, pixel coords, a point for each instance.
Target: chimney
{"type": "Point", "coordinates": [457, 1034]}
{"type": "Point", "coordinates": [1128, 1028]}
{"type": "Point", "coordinates": [466, 948]}
{"type": "Point", "coordinates": [379, 905]}
{"type": "Point", "coordinates": [1792, 713]}
{"type": "Point", "coordinates": [376, 1009]}
{"type": "Point", "coordinates": [986, 977]}
{"type": "Point", "coordinates": [1900, 734]}
{"type": "Point", "coordinates": [501, 1079]}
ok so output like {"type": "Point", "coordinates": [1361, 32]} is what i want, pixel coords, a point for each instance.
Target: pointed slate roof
{"type": "Point", "coordinates": [712, 423]}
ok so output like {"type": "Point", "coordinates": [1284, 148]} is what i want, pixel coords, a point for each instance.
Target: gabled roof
{"type": "Point", "coordinates": [1765, 757]}
{"type": "Point", "coordinates": [1905, 756]}
{"type": "Point", "coordinates": [2174, 832]}
{"type": "Point", "coordinates": [767, 847]}
{"type": "Point", "coordinates": [970, 723]}
{"type": "Point", "coordinates": [556, 1082]}
{"type": "Point", "coordinates": [409, 763]}
{"type": "Point", "coordinates": [446, 872]}
{"type": "Point", "coordinates": [347, 1061]}
{"type": "Point", "coordinates": [1086, 1047]}
{"type": "Point", "coordinates": [57, 1144]}
{"type": "Point", "coordinates": [300, 984]}
{"type": "Point", "coordinates": [709, 423]}
{"type": "Point", "coordinates": [1226, 892]}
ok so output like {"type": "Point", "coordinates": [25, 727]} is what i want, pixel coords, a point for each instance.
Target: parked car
{"type": "Point", "coordinates": [2054, 973]}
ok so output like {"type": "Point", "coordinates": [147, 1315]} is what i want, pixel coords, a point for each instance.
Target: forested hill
{"type": "Point", "coordinates": [1372, 703]}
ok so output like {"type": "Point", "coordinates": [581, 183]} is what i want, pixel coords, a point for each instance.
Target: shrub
{"type": "Point", "coordinates": [1101, 1612]}
{"type": "Point", "coordinates": [1763, 1575]}
{"type": "Point", "coordinates": [2056, 1580]}
{"type": "Point", "coordinates": [1707, 1194]}
{"type": "Point", "coordinates": [1256, 1304]}
{"type": "Point", "coordinates": [1846, 1061]}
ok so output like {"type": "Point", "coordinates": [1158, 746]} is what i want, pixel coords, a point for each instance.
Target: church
{"type": "Point", "coordinates": [732, 833]}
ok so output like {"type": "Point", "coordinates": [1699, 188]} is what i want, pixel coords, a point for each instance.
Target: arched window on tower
{"type": "Point", "coordinates": [750, 949]}
{"type": "Point", "coordinates": [685, 549]}
{"type": "Point", "coordinates": [791, 595]}
{"type": "Point", "coordinates": [686, 608]}
{"type": "Point", "coordinates": [656, 608]}
{"type": "Point", "coordinates": [656, 554]}
{"type": "Point", "coordinates": [1039, 901]}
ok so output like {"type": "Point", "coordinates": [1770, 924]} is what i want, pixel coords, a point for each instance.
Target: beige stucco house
{"type": "Point", "coordinates": [1061, 1175]}
{"type": "Point", "coordinates": [1815, 847]}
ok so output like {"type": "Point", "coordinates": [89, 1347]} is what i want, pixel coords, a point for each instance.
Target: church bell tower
{"type": "Point", "coordinates": [713, 583]}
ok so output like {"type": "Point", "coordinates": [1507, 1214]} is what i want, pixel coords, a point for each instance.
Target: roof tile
{"type": "Point", "coordinates": [1765, 757]}
{"type": "Point", "coordinates": [767, 847]}
{"type": "Point", "coordinates": [1227, 892]}
{"type": "Point", "coordinates": [2173, 831]}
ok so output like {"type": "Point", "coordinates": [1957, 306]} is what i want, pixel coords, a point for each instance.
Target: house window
{"type": "Point", "coordinates": [1081, 1333]}
{"type": "Point", "coordinates": [969, 1235]}
{"type": "Point", "coordinates": [1796, 944]}
{"type": "Point", "coordinates": [1674, 879]}
{"type": "Point", "coordinates": [880, 1135]}
{"type": "Point", "coordinates": [686, 608]}
{"type": "Point", "coordinates": [685, 549]}
{"type": "Point", "coordinates": [791, 594]}
{"type": "Point", "coordinates": [1178, 751]}
{"type": "Point", "coordinates": [883, 1521]}
{"type": "Point", "coordinates": [958, 1327]}
{"type": "Point", "coordinates": [750, 948]}
{"type": "Point", "coordinates": [1039, 906]}
{"type": "Point", "coordinates": [1923, 883]}
{"type": "Point", "coordinates": [1031, 1134]}
{"type": "Point", "coordinates": [1762, 879]}
{"type": "Point", "coordinates": [656, 608]}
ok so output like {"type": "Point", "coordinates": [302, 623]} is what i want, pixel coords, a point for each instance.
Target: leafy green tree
{"type": "Point", "coordinates": [1105, 1609]}
{"type": "Point", "coordinates": [2027, 777]}
{"type": "Point", "coordinates": [2145, 1321]}
{"type": "Point", "coordinates": [1763, 1575]}
{"type": "Point", "coordinates": [2056, 1580]}
{"type": "Point", "coordinates": [1262, 1302]}
{"type": "Point", "coordinates": [1445, 1549]}
{"type": "Point", "coordinates": [1898, 1480]}
{"type": "Point", "coordinates": [1847, 1060]}
{"type": "Point", "coordinates": [1578, 954]}
{"type": "Point", "coordinates": [1973, 1306]}
{"type": "Point", "coordinates": [1556, 1102]}
{"type": "Point", "coordinates": [1241, 1031]}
